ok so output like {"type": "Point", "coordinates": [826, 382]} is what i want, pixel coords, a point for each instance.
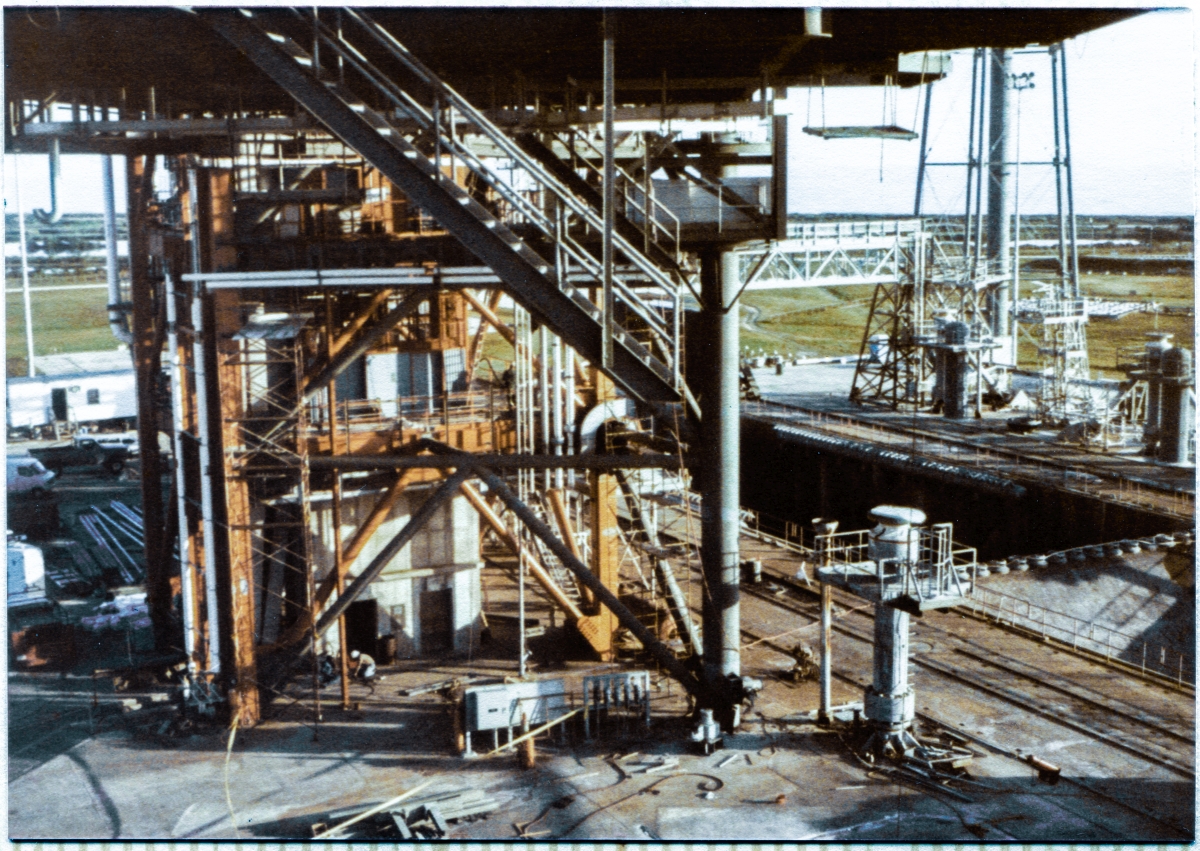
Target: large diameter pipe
{"type": "Point", "coordinates": [1000, 196]}
{"type": "Point", "coordinates": [1176, 413]}
{"type": "Point", "coordinates": [720, 468]}
{"type": "Point", "coordinates": [117, 320]}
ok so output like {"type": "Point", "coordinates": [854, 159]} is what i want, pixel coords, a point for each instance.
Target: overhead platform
{"type": "Point", "coordinates": [519, 57]}
{"type": "Point", "coordinates": [889, 131]}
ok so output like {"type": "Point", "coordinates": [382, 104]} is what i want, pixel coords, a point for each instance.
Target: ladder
{"type": "Point", "coordinates": [645, 323]}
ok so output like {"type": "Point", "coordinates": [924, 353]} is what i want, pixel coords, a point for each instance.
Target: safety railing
{"type": "Point", "coordinates": [662, 227]}
{"type": "Point", "coordinates": [543, 203]}
{"type": "Point", "coordinates": [1160, 658]}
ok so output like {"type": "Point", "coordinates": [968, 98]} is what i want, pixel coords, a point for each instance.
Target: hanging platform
{"type": "Point", "coordinates": [890, 131]}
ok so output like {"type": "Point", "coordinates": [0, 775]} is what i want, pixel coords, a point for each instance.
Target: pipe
{"type": "Point", "coordinates": [999, 242]}
{"type": "Point", "coordinates": [586, 461]}
{"type": "Point", "coordinates": [28, 303]}
{"type": "Point", "coordinates": [720, 468]}
{"type": "Point", "coordinates": [557, 410]}
{"type": "Point", "coordinates": [608, 301]}
{"type": "Point", "coordinates": [676, 600]}
{"type": "Point", "coordinates": [825, 713]}
{"type": "Point", "coordinates": [186, 587]}
{"type": "Point", "coordinates": [206, 478]}
{"type": "Point", "coordinates": [925, 148]}
{"type": "Point", "coordinates": [117, 320]}
{"type": "Point", "coordinates": [1074, 235]}
{"type": "Point", "coordinates": [54, 214]}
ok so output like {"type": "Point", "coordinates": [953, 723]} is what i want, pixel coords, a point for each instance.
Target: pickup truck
{"type": "Point", "coordinates": [83, 453]}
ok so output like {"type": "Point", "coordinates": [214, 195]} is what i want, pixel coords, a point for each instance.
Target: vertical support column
{"type": "Point", "coordinates": [889, 700]}
{"type": "Point", "coordinates": [779, 173]}
{"type": "Point", "coordinates": [187, 589]}
{"type": "Point", "coordinates": [148, 333]}
{"type": "Point", "coordinates": [999, 215]}
{"type": "Point", "coordinates": [1073, 243]}
{"type": "Point", "coordinates": [606, 543]}
{"type": "Point", "coordinates": [610, 197]}
{"type": "Point", "coordinates": [720, 473]}
{"type": "Point", "coordinates": [825, 712]}
{"type": "Point", "coordinates": [925, 151]}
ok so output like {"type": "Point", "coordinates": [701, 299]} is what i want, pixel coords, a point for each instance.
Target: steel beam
{"type": "Point", "coordinates": [529, 283]}
{"type": "Point", "coordinates": [552, 588]}
{"type": "Point", "coordinates": [436, 500]}
{"type": "Point", "coordinates": [369, 527]}
{"type": "Point", "coordinates": [494, 461]}
{"type": "Point", "coordinates": [407, 306]}
{"type": "Point", "coordinates": [660, 651]}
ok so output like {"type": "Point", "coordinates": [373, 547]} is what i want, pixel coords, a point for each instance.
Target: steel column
{"type": "Point", "coordinates": [779, 173]}
{"type": "Point", "coordinates": [999, 213]}
{"type": "Point", "coordinates": [147, 362]}
{"type": "Point", "coordinates": [610, 200]}
{"type": "Point", "coordinates": [825, 713]}
{"type": "Point", "coordinates": [187, 590]}
{"type": "Point", "coordinates": [720, 472]}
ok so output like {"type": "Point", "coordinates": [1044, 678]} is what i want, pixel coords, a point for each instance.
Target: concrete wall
{"type": "Point", "coordinates": [443, 555]}
{"type": "Point", "coordinates": [797, 483]}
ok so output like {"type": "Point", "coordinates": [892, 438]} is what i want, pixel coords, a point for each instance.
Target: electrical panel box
{"type": "Point", "coordinates": [499, 707]}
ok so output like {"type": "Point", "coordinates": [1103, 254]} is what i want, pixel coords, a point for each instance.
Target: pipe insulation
{"type": "Point", "coordinates": [895, 460]}
{"type": "Point", "coordinates": [117, 320]}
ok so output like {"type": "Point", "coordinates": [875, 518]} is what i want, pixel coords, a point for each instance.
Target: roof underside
{"type": "Point", "coordinates": [497, 56]}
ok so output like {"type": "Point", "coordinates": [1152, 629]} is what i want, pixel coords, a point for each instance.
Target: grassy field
{"type": "Point", "coordinates": [63, 321]}
{"type": "Point", "coordinates": [810, 321]}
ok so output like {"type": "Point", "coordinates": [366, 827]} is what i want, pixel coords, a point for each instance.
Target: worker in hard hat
{"type": "Point", "coordinates": [364, 669]}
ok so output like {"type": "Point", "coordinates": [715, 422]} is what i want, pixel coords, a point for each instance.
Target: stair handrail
{"type": "Point", "coordinates": [533, 212]}
{"type": "Point", "coordinates": [403, 55]}
{"type": "Point", "coordinates": [627, 180]}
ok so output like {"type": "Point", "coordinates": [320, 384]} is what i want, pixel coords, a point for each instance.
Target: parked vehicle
{"type": "Point", "coordinates": [27, 474]}
{"type": "Point", "coordinates": [87, 453]}
{"type": "Point", "coordinates": [26, 573]}
{"type": "Point", "coordinates": [127, 440]}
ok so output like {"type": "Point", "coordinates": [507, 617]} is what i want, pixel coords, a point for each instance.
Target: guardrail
{"type": "Point", "coordinates": [1159, 658]}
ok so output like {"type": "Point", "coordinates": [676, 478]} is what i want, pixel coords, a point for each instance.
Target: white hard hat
{"type": "Point", "coordinates": [354, 654]}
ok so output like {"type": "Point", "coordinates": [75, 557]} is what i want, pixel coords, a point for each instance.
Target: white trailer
{"type": "Point", "coordinates": [76, 398]}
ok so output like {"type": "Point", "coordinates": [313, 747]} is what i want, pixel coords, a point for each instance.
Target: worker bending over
{"type": "Point", "coordinates": [364, 669]}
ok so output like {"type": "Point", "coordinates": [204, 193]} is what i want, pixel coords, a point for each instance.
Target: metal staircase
{"type": "Point", "coordinates": [645, 321]}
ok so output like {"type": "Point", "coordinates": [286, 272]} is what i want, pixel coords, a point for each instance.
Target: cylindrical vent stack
{"type": "Point", "coordinates": [889, 701]}
{"type": "Point", "coordinates": [1175, 429]}
{"type": "Point", "coordinates": [1158, 345]}
{"type": "Point", "coordinates": [954, 379]}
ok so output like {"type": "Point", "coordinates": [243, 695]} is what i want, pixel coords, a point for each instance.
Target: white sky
{"type": "Point", "coordinates": [1132, 97]}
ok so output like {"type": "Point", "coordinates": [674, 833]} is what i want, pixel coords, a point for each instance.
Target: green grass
{"type": "Point", "coordinates": [63, 321]}
{"type": "Point", "coordinates": [810, 321]}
